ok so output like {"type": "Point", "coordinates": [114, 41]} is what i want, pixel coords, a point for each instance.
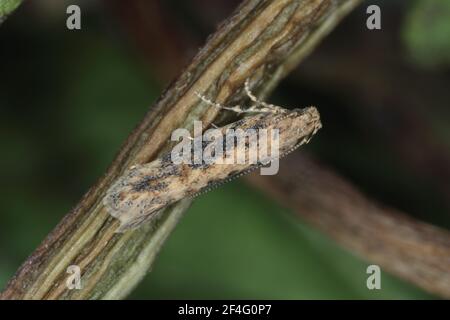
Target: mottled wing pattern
{"type": "Point", "coordinates": [137, 195]}
{"type": "Point", "coordinates": [145, 190]}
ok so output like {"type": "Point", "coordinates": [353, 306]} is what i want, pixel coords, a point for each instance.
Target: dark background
{"type": "Point", "coordinates": [68, 99]}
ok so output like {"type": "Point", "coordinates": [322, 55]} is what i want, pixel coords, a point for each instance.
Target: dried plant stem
{"type": "Point", "coordinates": [263, 39]}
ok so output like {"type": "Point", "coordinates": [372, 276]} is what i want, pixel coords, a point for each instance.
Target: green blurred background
{"type": "Point", "coordinates": [68, 99]}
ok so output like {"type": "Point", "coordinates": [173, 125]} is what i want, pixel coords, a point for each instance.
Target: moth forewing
{"type": "Point", "coordinates": [144, 190]}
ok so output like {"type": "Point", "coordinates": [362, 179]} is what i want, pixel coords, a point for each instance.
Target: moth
{"type": "Point", "coordinates": [145, 190]}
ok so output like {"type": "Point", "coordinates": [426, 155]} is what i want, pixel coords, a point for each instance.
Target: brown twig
{"type": "Point", "coordinates": [410, 249]}
{"type": "Point", "coordinates": [264, 39]}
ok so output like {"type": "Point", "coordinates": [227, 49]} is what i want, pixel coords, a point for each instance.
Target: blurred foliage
{"type": "Point", "coordinates": [231, 245]}
{"type": "Point", "coordinates": [426, 33]}
{"type": "Point", "coordinates": [67, 102]}
{"type": "Point", "coordinates": [8, 6]}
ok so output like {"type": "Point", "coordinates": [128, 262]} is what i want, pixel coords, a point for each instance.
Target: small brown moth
{"type": "Point", "coordinates": [144, 190]}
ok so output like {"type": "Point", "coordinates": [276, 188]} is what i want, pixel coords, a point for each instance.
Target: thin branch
{"type": "Point", "coordinates": [257, 41]}
{"type": "Point", "coordinates": [413, 250]}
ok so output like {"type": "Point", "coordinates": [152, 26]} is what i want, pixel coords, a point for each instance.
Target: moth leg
{"type": "Point", "coordinates": [236, 109]}
{"type": "Point", "coordinates": [266, 107]}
